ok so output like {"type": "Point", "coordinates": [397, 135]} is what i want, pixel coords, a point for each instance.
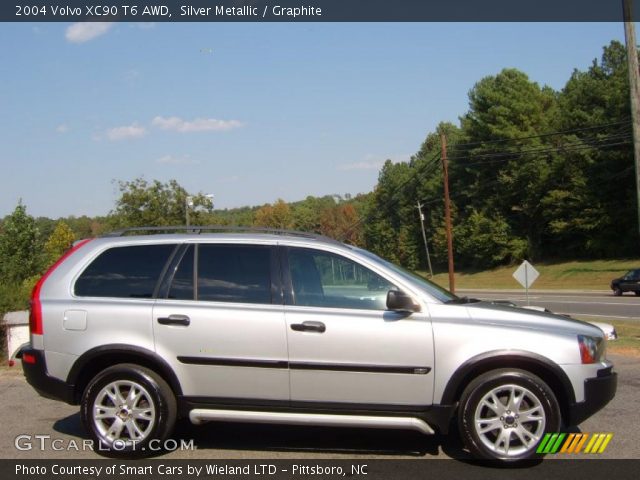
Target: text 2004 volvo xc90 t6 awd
{"type": "Point", "coordinates": [292, 328]}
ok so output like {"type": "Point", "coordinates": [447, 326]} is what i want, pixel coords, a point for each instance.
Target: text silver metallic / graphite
{"type": "Point", "coordinates": [250, 11]}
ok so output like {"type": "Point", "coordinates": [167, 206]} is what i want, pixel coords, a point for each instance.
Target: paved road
{"type": "Point", "coordinates": [597, 304]}
{"type": "Point", "coordinates": [26, 413]}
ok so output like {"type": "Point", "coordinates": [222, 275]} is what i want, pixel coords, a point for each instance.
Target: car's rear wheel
{"type": "Point", "coordinates": [125, 408]}
{"type": "Point", "coordinates": [505, 413]}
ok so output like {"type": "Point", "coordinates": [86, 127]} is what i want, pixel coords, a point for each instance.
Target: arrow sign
{"type": "Point", "coordinates": [525, 274]}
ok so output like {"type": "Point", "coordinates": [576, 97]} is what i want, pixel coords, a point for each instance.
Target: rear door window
{"type": "Point", "coordinates": [234, 273]}
{"type": "Point", "coordinates": [124, 272]}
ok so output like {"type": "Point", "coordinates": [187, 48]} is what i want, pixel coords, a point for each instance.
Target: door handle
{"type": "Point", "coordinates": [309, 327]}
{"type": "Point", "coordinates": [175, 320]}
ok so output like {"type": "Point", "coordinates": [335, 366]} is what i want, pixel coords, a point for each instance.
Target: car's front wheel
{"type": "Point", "coordinates": [505, 413]}
{"type": "Point", "coordinates": [128, 410]}
{"type": "Point", "coordinates": [617, 291]}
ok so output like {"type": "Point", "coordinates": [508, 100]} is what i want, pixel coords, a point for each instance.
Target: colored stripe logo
{"type": "Point", "coordinates": [574, 443]}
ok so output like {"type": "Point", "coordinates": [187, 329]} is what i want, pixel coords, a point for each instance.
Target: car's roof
{"type": "Point", "coordinates": [231, 237]}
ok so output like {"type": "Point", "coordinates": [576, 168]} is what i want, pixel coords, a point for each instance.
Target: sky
{"type": "Point", "coordinates": [248, 112]}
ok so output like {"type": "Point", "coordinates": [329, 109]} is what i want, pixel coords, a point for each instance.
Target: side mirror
{"type": "Point", "coordinates": [399, 301]}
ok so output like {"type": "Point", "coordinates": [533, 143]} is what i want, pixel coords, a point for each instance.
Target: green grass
{"type": "Point", "coordinates": [579, 275]}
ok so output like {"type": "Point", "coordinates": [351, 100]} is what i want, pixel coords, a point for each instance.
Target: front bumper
{"type": "Point", "coordinates": [598, 392]}
{"type": "Point", "coordinates": [47, 386]}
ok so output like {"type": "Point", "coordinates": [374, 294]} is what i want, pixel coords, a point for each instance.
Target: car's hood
{"type": "Point", "coordinates": [497, 314]}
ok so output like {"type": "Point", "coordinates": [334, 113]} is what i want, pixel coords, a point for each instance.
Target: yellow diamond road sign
{"type": "Point", "coordinates": [526, 274]}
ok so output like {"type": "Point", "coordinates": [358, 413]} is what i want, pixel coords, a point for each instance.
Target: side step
{"type": "Point", "coordinates": [201, 415]}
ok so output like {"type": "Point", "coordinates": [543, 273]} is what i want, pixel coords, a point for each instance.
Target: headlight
{"type": "Point", "coordinates": [591, 348]}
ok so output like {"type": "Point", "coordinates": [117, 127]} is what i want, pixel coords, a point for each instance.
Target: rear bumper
{"type": "Point", "coordinates": [597, 393]}
{"type": "Point", "coordinates": [46, 385]}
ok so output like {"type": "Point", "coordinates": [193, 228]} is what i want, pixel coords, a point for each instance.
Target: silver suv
{"type": "Point", "coordinates": [293, 328]}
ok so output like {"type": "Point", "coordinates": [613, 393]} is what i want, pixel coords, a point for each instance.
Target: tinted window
{"type": "Point", "coordinates": [125, 272]}
{"type": "Point", "coordinates": [321, 279]}
{"type": "Point", "coordinates": [234, 273]}
{"type": "Point", "coordinates": [431, 288]}
{"type": "Point", "coordinates": [182, 284]}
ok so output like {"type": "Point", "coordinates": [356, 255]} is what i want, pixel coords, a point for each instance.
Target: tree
{"type": "Point", "coordinates": [19, 252]}
{"type": "Point", "coordinates": [390, 211]}
{"type": "Point", "coordinates": [277, 215]}
{"type": "Point", "coordinates": [307, 213]}
{"type": "Point", "coordinates": [58, 242]}
{"type": "Point", "coordinates": [336, 222]}
{"type": "Point", "coordinates": [590, 203]}
{"type": "Point", "coordinates": [143, 203]}
{"type": "Point", "coordinates": [507, 106]}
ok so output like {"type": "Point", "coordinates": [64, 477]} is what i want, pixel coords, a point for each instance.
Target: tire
{"type": "Point", "coordinates": [124, 426]}
{"type": "Point", "coordinates": [617, 292]}
{"type": "Point", "coordinates": [637, 293]}
{"type": "Point", "coordinates": [511, 439]}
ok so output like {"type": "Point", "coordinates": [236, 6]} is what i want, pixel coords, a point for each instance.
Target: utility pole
{"type": "Point", "coordinates": [634, 89]}
{"type": "Point", "coordinates": [447, 211]}
{"type": "Point", "coordinates": [424, 237]}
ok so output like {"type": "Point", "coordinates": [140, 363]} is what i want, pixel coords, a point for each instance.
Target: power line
{"type": "Point", "coordinates": [548, 149]}
{"type": "Point", "coordinates": [542, 135]}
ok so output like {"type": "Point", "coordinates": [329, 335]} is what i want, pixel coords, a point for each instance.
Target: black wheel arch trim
{"type": "Point", "coordinates": [506, 359]}
{"type": "Point", "coordinates": [125, 354]}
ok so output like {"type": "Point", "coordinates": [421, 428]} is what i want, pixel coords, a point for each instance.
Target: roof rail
{"type": "Point", "coordinates": [197, 229]}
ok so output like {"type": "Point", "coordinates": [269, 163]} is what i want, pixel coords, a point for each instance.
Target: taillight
{"type": "Point", "coordinates": [35, 315]}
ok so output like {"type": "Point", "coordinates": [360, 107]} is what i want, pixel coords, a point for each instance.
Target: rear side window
{"type": "Point", "coordinates": [234, 273]}
{"type": "Point", "coordinates": [124, 272]}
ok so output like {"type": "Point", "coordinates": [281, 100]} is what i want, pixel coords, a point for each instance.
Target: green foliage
{"type": "Point", "coordinates": [60, 240]}
{"type": "Point", "coordinates": [14, 297]}
{"type": "Point", "coordinates": [486, 240]}
{"type": "Point", "coordinates": [507, 106]}
{"type": "Point", "coordinates": [20, 261]}
{"type": "Point", "coordinates": [307, 213]}
{"type": "Point", "coordinates": [19, 252]}
{"type": "Point", "coordinates": [590, 204]}
{"type": "Point", "coordinates": [143, 203]}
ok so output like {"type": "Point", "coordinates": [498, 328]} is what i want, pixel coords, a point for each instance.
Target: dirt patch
{"type": "Point", "coordinates": [624, 351]}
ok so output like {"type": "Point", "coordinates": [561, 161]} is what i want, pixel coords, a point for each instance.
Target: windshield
{"type": "Point", "coordinates": [632, 274]}
{"type": "Point", "coordinates": [431, 288]}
